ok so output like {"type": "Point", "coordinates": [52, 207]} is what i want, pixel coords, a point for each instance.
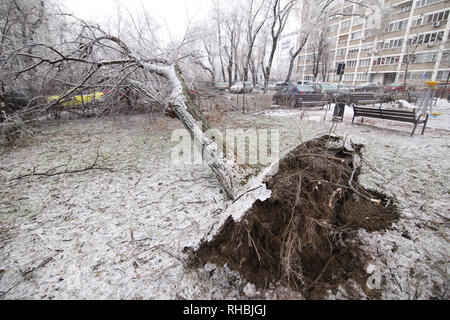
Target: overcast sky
{"type": "Point", "coordinates": [169, 14]}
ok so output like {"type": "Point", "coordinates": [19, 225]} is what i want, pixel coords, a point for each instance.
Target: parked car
{"type": "Point", "coordinates": [335, 88]}
{"type": "Point", "coordinates": [16, 99]}
{"type": "Point", "coordinates": [222, 85]}
{"type": "Point", "coordinates": [239, 87]}
{"type": "Point", "coordinates": [394, 87]}
{"type": "Point", "coordinates": [82, 97]}
{"type": "Point", "coordinates": [272, 85]}
{"type": "Point", "coordinates": [368, 87]}
{"type": "Point", "coordinates": [287, 94]}
{"type": "Point", "coordinates": [279, 84]}
{"type": "Point", "coordinates": [259, 86]}
{"type": "Point", "coordinates": [316, 86]}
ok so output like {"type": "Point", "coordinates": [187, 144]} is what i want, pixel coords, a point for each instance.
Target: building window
{"type": "Point", "coordinates": [423, 3]}
{"type": "Point", "coordinates": [364, 62]}
{"type": "Point", "coordinates": [389, 44]}
{"type": "Point", "coordinates": [361, 76]}
{"type": "Point", "coordinates": [343, 38]}
{"type": "Point", "coordinates": [386, 60]}
{"type": "Point", "coordinates": [404, 8]}
{"type": "Point", "coordinates": [442, 75]}
{"type": "Point", "coordinates": [345, 24]}
{"type": "Point", "coordinates": [425, 57]}
{"type": "Point", "coordinates": [432, 18]}
{"type": "Point", "coordinates": [357, 21]}
{"type": "Point", "coordinates": [340, 52]}
{"type": "Point", "coordinates": [356, 35]}
{"type": "Point", "coordinates": [353, 50]}
{"type": "Point", "coordinates": [397, 25]}
{"type": "Point", "coordinates": [416, 22]}
{"type": "Point", "coordinates": [426, 38]}
{"type": "Point", "coordinates": [446, 56]}
{"type": "Point", "coordinates": [348, 77]}
{"type": "Point", "coordinates": [426, 75]}
{"type": "Point", "coordinates": [351, 63]}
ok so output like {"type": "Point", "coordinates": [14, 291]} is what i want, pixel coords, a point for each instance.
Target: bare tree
{"type": "Point", "coordinates": [319, 46]}
{"type": "Point", "coordinates": [279, 16]}
{"type": "Point", "coordinates": [294, 52]}
{"type": "Point", "coordinates": [102, 58]}
{"type": "Point", "coordinates": [256, 17]}
{"type": "Point", "coordinates": [408, 58]}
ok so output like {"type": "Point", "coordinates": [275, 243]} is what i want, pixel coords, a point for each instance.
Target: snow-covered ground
{"type": "Point", "coordinates": [120, 234]}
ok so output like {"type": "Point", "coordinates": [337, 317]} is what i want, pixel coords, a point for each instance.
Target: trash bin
{"type": "Point", "coordinates": [339, 108]}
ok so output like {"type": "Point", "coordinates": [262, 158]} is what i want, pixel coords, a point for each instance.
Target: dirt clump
{"type": "Point", "coordinates": [303, 236]}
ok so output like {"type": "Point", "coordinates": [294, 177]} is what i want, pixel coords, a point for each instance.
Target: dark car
{"type": "Point", "coordinates": [394, 87]}
{"type": "Point", "coordinates": [318, 88]}
{"type": "Point", "coordinates": [281, 84]}
{"type": "Point", "coordinates": [286, 95]}
{"type": "Point", "coordinates": [367, 87]}
{"type": "Point", "coordinates": [17, 99]}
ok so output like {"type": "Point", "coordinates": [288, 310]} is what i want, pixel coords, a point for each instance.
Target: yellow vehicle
{"type": "Point", "coordinates": [84, 97]}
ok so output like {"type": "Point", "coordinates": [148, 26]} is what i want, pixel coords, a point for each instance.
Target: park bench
{"type": "Point", "coordinates": [310, 100]}
{"type": "Point", "coordinates": [396, 115]}
{"type": "Point", "coordinates": [363, 98]}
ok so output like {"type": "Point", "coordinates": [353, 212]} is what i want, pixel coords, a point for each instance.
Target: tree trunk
{"type": "Point", "coordinates": [226, 170]}
{"type": "Point", "coordinates": [291, 67]}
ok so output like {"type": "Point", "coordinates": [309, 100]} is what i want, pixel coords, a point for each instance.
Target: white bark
{"type": "Point", "coordinates": [226, 169]}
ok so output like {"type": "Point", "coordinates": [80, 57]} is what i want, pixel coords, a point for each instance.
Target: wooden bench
{"type": "Point", "coordinates": [363, 98]}
{"type": "Point", "coordinates": [396, 115]}
{"type": "Point", "coordinates": [310, 100]}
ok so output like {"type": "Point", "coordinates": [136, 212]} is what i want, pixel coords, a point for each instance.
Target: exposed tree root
{"type": "Point", "coordinates": [303, 235]}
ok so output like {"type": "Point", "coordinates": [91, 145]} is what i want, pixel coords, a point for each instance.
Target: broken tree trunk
{"type": "Point", "coordinates": [226, 169]}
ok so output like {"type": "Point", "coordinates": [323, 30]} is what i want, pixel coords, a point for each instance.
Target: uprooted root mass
{"type": "Point", "coordinates": [302, 236]}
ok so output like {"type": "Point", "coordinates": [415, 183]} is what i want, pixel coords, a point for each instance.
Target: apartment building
{"type": "Point", "coordinates": [404, 36]}
{"type": "Point", "coordinates": [282, 56]}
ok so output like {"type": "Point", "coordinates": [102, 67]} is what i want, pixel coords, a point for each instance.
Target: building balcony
{"type": "Point", "coordinates": [424, 47]}
{"type": "Point", "coordinates": [394, 34]}
{"type": "Point", "coordinates": [433, 7]}
{"type": "Point", "coordinates": [364, 54]}
{"type": "Point", "coordinates": [363, 69]}
{"type": "Point", "coordinates": [390, 52]}
{"type": "Point", "coordinates": [421, 66]}
{"type": "Point", "coordinates": [350, 69]}
{"type": "Point", "coordinates": [399, 16]}
{"type": "Point", "coordinates": [427, 28]}
{"type": "Point", "coordinates": [385, 68]}
{"type": "Point", "coordinates": [354, 42]}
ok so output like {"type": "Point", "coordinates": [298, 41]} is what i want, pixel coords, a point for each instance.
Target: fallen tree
{"type": "Point", "coordinates": [156, 78]}
{"type": "Point", "coordinates": [291, 226]}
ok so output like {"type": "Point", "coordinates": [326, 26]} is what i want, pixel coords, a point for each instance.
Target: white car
{"type": "Point", "coordinates": [239, 87]}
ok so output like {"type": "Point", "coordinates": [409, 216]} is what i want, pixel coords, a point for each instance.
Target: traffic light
{"type": "Point", "coordinates": [340, 68]}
